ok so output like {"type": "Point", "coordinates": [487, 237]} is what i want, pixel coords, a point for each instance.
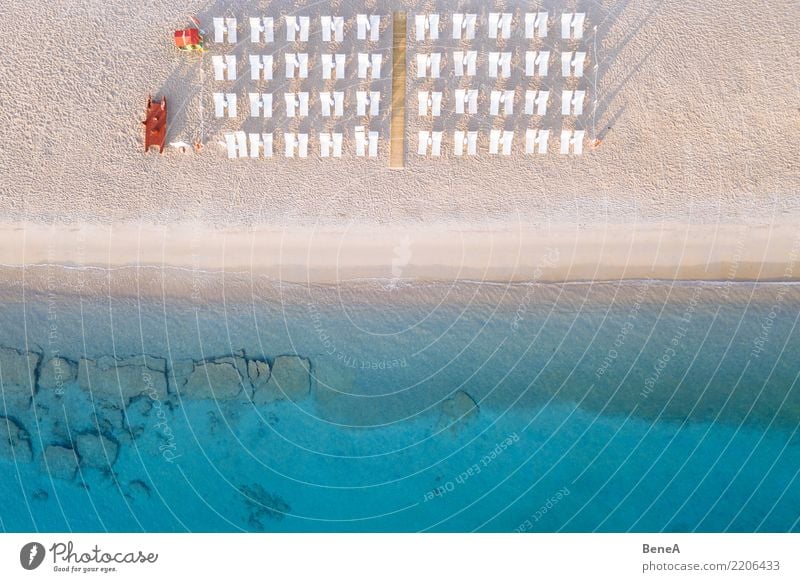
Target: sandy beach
{"type": "Point", "coordinates": [695, 178]}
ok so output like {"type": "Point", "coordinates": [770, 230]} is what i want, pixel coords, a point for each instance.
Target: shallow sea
{"type": "Point", "coordinates": [639, 406]}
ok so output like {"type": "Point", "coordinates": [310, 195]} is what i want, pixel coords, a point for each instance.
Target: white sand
{"type": "Point", "coordinates": [699, 171]}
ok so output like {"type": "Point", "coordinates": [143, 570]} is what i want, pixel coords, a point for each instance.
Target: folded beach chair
{"type": "Point", "coordinates": [429, 103]}
{"type": "Point", "coordinates": [330, 144]}
{"type": "Point", "coordinates": [506, 98]}
{"type": "Point", "coordinates": [260, 104]}
{"type": "Point", "coordinates": [296, 104]}
{"type": "Point", "coordinates": [499, 64]}
{"type": "Point", "coordinates": [536, 102]}
{"type": "Point", "coordinates": [430, 140]}
{"type": "Point", "coordinates": [536, 24]}
{"type": "Point", "coordinates": [467, 97]}
{"type": "Point", "coordinates": [331, 63]}
{"type": "Point", "coordinates": [428, 65]}
{"type": "Point", "coordinates": [262, 27]}
{"type": "Point", "coordinates": [572, 25]}
{"type": "Point", "coordinates": [224, 27]}
{"type": "Point", "coordinates": [573, 139]}
{"type": "Point", "coordinates": [468, 139]}
{"type": "Point", "coordinates": [498, 137]}
{"type": "Point", "coordinates": [427, 25]}
{"type": "Point", "coordinates": [536, 141]}
{"type": "Point", "coordinates": [572, 64]}
{"type": "Point", "coordinates": [224, 67]}
{"type": "Point", "coordinates": [332, 28]}
{"type": "Point", "coordinates": [464, 26]}
{"type": "Point", "coordinates": [572, 102]}
{"type": "Point", "coordinates": [297, 28]}
{"type": "Point", "coordinates": [368, 99]}
{"type": "Point", "coordinates": [223, 102]}
{"type": "Point", "coordinates": [536, 63]}
{"type": "Point", "coordinates": [260, 143]}
{"type": "Point", "coordinates": [366, 143]}
{"type": "Point", "coordinates": [368, 24]}
{"type": "Point", "coordinates": [371, 63]}
{"type": "Point", "coordinates": [465, 61]}
{"type": "Point", "coordinates": [295, 143]}
{"type": "Point", "coordinates": [499, 25]}
{"type": "Point", "coordinates": [331, 103]}
{"type": "Point", "coordinates": [260, 67]}
{"type": "Point", "coordinates": [296, 63]}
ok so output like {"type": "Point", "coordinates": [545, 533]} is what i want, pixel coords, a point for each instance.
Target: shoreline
{"type": "Point", "coordinates": [555, 253]}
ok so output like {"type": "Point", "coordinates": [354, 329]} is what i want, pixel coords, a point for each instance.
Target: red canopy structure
{"type": "Point", "coordinates": [155, 125]}
{"type": "Point", "coordinates": [189, 39]}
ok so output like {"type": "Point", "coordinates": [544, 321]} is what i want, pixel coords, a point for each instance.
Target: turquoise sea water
{"type": "Point", "coordinates": [644, 406]}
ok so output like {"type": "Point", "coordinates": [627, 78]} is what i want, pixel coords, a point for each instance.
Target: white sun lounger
{"type": "Point", "coordinates": [368, 24]}
{"type": "Point", "coordinates": [224, 27]}
{"type": "Point", "coordinates": [331, 63]}
{"type": "Point", "coordinates": [236, 143]}
{"type": "Point", "coordinates": [297, 28]}
{"type": "Point", "coordinates": [296, 104]}
{"type": "Point", "coordinates": [260, 104]}
{"type": "Point", "coordinates": [371, 100]}
{"type": "Point", "coordinates": [499, 64]}
{"type": "Point", "coordinates": [223, 102]}
{"type": "Point", "coordinates": [430, 140]}
{"type": "Point", "coordinates": [295, 142]}
{"type": "Point", "coordinates": [536, 63]}
{"type": "Point", "coordinates": [467, 139]}
{"type": "Point", "coordinates": [498, 137]}
{"type": "Point", "coordinates": [574, 139]}
{"type": "Point", "coordinates": [536, 102]}
{"type": "Point", "coordinates": [263, 26]}
{"type": "Point", "coordinates": [536, 141]}
{"type": "Point", "coordinates": [572, 64]}
{"type": "Point", "coordinates": [224, 67]}
{"type": "Point", "coordinates": [371, 63]}
{"type": "Point", "coordinates": [366, 144]}
{"type": "Point", "coordinates": [330, 145]}
{"type": "Point", "coordinates": [572, 102]}
{"type": "Point", "coordinates": [260, 67]}
{"type": "Point", "coordinates": [572, 25]}
{"type": "Point", "coordinates": [536, 24]}
{"type": "Point", "coordinates": [464, 26]}
{"type": "Point", "coordinates": [429, 65]}
{"type": "Point", "coordinates": [467, 97]}
{"type": "Point", "coordinates": [427, 25]}
{"type": "Point", "coordinates": [260, 142]}
{"type": "Point", "coordinates": [465, 61]}
{"type": "Point", "coordinates": [429, 103]}
{"type": "Point", "coordinates": [331, 103]}
{"type": "Point", "coordinates": [506, 98]}
{"type": "Point", "coordinates": [296, 63]}
{"type": "Point", "coordinates": [332, 24]}
{"type": "Point", "coordinates": [499, 25]}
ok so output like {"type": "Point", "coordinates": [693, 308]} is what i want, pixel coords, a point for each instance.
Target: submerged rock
{"type": "Point", "coordinates": [15, 442]}
{"type": "Point", "coordinates": [262, 505]}
{"type": "Point", "coordinates": [56, 373]}
{"type": "Point", "coordinates": [457, 410]}
{"type": "Point", "coordinates": [259, 373]}
{"type": "Point", "coordinates": [60, 462]}
{"type": "Point", "coordinates": [96, 451]}
{"type": "Point", "coordinates": [217, 379]}
{"type": "Point", "coordinates": [290, 380]}
{"type": "Point", "coordinates": [18, 371]}
{"type": "Point", "coordinates": [120, 380]}
{"type": "Point", "coordinates": [40, 495]}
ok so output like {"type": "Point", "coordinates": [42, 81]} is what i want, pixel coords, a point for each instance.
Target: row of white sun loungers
{"type": "Point", "coordinates": [255, 145]}
{"type": "Point", "coordinates": [331, 103]}
{"type": "Point", "coordinates": [427, 27]}
{"type": "Point", "coordinates": [429, 65]}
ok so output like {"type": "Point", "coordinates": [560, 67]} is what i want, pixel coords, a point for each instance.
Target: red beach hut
{"type": "Point", "coordinates": [189, 39]}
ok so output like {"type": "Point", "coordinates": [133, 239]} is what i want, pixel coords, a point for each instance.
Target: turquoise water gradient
{"type": "Point", "coordinates": [608, 407]}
